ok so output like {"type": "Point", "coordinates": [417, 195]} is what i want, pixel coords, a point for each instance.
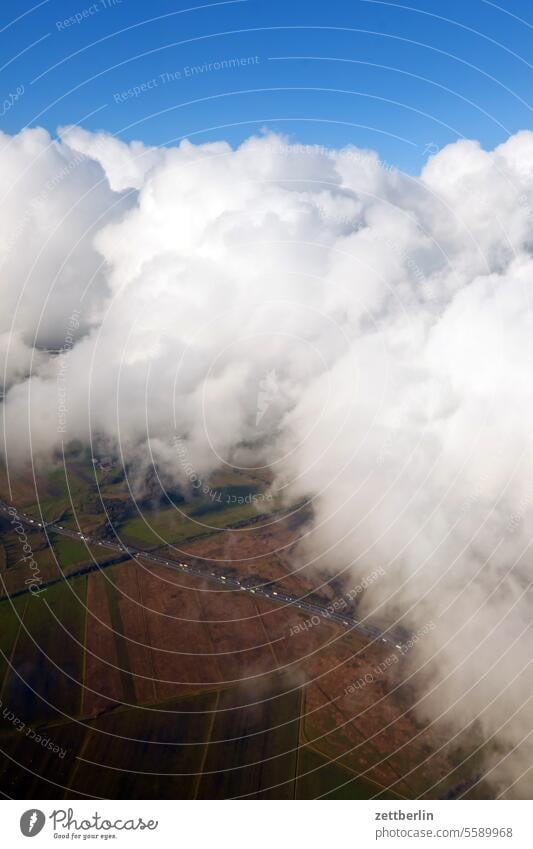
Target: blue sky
{"type": "Point", "coordinates": [386, 75]}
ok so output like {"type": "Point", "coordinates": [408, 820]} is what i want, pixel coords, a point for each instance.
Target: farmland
{"type": "Point", "coordinates": [156, 683]}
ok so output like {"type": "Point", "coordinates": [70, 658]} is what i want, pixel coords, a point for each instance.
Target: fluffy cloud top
{"type": "Point", "coordinates": [366, 333]}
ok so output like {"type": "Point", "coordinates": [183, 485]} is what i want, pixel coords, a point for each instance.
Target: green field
{"type": "Point", "coordinates": [11, 614]}
{"type": "Point", "coordinates": [68, 551]}
{"type": "Point", "coordinates": [171, 526]}
{"type": "Point", "coordinates": [319, 777]}
{"type": "Point", "coordinates": [48, 655]}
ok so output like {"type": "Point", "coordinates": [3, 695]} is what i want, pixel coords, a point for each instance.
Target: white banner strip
{"type": "Point", "coordinates": [264, 825]}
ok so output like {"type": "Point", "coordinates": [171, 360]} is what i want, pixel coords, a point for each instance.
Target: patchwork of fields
{"type": "Point", "coordinates": [133, 680]}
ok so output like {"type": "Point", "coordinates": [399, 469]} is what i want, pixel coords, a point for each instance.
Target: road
{"type": "Point", "coordinates": [216, 575]}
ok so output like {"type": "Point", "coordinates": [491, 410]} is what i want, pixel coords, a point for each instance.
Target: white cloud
{"type": "Point", "coordinates": [393, 311]}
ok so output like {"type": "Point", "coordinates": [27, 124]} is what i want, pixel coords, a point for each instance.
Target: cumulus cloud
{"type": "Point", "coordinates": [125, 165]}
{"type": "Point", "coordinates": [366, 333]}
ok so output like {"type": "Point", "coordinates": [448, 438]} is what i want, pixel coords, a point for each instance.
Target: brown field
{"type": "Point", "coordinates": [146, 629]}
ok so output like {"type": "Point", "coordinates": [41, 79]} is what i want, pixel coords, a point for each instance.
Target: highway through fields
{"type": "Point", "coordinates": [212, 573]}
